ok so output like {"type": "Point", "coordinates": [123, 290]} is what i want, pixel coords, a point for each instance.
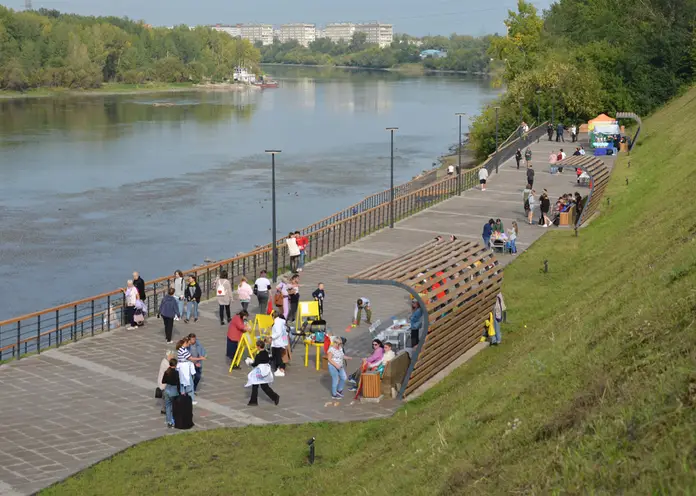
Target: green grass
{"type": "Point", "coordinates": [597, 365]}
{"type": "Point", "coordinates": [106, 89]}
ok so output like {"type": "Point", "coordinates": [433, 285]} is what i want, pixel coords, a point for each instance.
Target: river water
{"type": "Point", "coordinates": [94, 187]}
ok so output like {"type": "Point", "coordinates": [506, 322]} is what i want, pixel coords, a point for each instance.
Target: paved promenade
{"type": "Point", "coordinates": [66, 409]}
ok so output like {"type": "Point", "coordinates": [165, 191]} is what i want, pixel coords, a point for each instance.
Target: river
{"type": "Point", "coordinates": [94, 187]}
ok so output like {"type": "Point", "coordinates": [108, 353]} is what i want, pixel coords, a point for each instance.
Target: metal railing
{"type": "Point", "coordinates": [72, 321]}
{"type": "Point", "coordinates": [508, 151]}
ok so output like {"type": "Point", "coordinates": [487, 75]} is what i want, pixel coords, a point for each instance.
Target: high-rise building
{"type": "Point", "coordinates": [381, 34]}
{"type": "Point", "coordinates": [303, 33]}
{"type": "Point", "coordinates": [258, 32]}
{"type": "Point", "coordinates": [337, 31]}
{"type": "Point", "coordinates": [234, 31]}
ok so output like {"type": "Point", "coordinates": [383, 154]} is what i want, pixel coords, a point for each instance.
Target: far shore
{"type": "Point", "coordinates": [405, 69]}
{"type": "Point", "coordinates": [110, 89]}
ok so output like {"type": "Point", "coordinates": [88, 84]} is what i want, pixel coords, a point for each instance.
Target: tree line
{"type": "Point", "coordinates": [48, 48]}
{"type": "Point", "coordinates": [584, 57]}
{"type": "Point", "coordinates": [464, 53]}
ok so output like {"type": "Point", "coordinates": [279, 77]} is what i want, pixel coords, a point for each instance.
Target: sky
{"type": "Point", "coordinates": [415, 17]}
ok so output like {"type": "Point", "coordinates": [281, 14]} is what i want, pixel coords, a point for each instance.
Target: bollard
{"type": "Point", "coordinates": [546, 266]}
{"type": "Point", "coordinates": [629, 164]}
{"type": "Point", "coordinates": [626, 181]}
{"type": "Point", "coordinates": [310, 443]}
{"type": "Point", "coordinates": [576, 231]}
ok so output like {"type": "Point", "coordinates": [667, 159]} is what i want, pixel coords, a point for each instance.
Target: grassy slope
{"type": "Point", "coordinates": [602, 377]}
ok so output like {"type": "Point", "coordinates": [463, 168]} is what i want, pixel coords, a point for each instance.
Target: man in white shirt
{"type": "Point", "coordinates": [262, 288]}
{"type": "Point", "coordinates": [483, 177]}
{"type": "Point", "coordinates": [293, 251]}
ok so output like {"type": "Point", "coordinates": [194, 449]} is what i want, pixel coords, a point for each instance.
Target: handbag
{"type": "Point", "coordinates": [158, 392]}
{"type": "Point", "coordinates": [278, 299]}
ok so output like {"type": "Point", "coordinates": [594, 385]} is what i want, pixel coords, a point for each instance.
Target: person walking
{"type": "Point", "coordinates": [362, 304]}
{"type": "Point", "coordinates": [279, 343]}
{"type": "Point", "coordinates": [198, 353]}
{"type": "Point", "coordinates": [518, 157]}
{"type": "Point", "coordinates": [223, 294]}
{"type": "Point", "coordinates": [498, 312]}
{"type": "Point", "coordinates": [180, 290]}
{"type": "Point", "coordinates": [416, 322]}
{"type": "Point", "coordinates": [337, 368]}
{"type": "Point", "coordinates": [261, 375]}
{"type": "Point", "coordinates": [244, 292]}
{"type": "Point", "coordinates": [302, 244]}
{"type": "Point", "coordinates": [293, 251]}
{"type": "Point", "coordinates": [193, 298]}
{"type": "Point", "coordinates": [512, 237]}
{"type": "Point", "coordinates": [549, 131]}
{"type": "Point", "coordinates": [545, 202]}
{"type": "Point", "coordinates": [483, 177]}
{"type": "Point", "coordinates": [131, 295]}
{"type": "Point", "coordinates": [573, 133]}
{"type": "Point", "coordinates": [170, 379]}
{"type": "Point", "coordinates": [235, 333]}
{"type": "Point", "coordinates": [487, 233]}
{"type": "Point", "coordinates": [530, 175]}
{"type": "Point", "coordinates": [262, 290]}
{"type": "Point", "coordinates": [532, 200]}
{"type": "Point", "coordinates": [553, 158]}
{"type": "Point", "coordinates": [528, 156]}
{"type": "Point", "coordinates": [168, 310]}
{"type": "Point", "coordinates": [293, 296]}
{"type": "Point", "coordinates": [281, 299]}
{"type": "Point", "coordinates": [525, 199]}
{"type": "Point", "coordinates": [559, 133]}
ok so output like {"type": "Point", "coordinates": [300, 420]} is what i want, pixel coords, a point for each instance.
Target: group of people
{"type": "Point", "coordinates": [532, 203]}
{"type": "Point", "coordinates": [297, 246]}
{"type": "Point", "coordinates": [560, 131]}
{"type": "Point", "coordinates": [527, 157]}
{"type": "Point", "coordinates": [494, 230]}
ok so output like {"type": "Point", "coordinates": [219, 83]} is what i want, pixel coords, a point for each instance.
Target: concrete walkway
{"type": "Point", "coordinates": [66, 409]}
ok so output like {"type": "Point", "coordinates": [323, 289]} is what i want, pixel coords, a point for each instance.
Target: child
{"type": "Point", "coordinates": [261, 375]}
{"type": "Point", "coordinates": [362, 303]}
{"type": "Point", "coordinates": [319, 295]}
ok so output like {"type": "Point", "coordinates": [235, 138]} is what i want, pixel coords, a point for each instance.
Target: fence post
{"type": "Point", "coordinates": [38, 334]}
{"type": "Point", "coordinates": [92, 319]}
{"type": "Point", "coordinates": [19, 338]}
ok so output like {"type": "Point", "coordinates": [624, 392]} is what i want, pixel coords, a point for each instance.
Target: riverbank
{"type": "Point", "coordinates": [411, 69]}
{"type": "Point", "coordinates": [124, 89]}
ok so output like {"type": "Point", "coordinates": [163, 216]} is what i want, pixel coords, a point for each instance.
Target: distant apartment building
{"type": "Point", "coordinates": [381, 34]}
{"type": "Point", "coordinates": [303, 33]}
{"type": "Point", "coordinates": [257, 32]}
{"type": "Point", "coordinates": [321, 33]}
{"type": "Point", "coordinates": [234, 31]}
{"type": "Point", "coordinates": [337, 31]}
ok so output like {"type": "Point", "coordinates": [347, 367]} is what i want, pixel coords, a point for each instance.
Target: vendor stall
{"type": "Point", "coordinates": [604, 132]}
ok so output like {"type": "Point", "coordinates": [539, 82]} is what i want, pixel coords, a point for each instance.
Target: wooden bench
{"type": "Point", "coordinates": [567, 218]}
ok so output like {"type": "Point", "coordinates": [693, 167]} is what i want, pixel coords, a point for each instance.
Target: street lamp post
{"type": "Point", "coordinates": [538, 92]}
{"type": "Point", "coordinates": [459, 169]}
{"type": "Point", "coordinates": [553, 106]}
{"type": "Point", "coordinates": [391, 189]}
{"type": "Point", "coordinates": [521, 131]}
{"type": "Point", "coordinates": [496, 139]}
{"type": "Point", "coordinates": [274, 245]}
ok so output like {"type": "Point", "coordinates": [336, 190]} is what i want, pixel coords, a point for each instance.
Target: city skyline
{"type": "Point", "coordinates": [439, 17]}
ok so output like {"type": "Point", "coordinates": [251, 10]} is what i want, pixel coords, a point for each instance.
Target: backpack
{"type": "Point", "coordinates": [221, 289]}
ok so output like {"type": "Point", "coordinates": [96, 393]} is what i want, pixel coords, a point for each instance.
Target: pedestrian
{"type": "Point", "coordinates": [140, 285]}
{"type": "Point", "coordinates": [498, 313]}
{"type": "Point", "coordinates": [170, 379]}
{"type": "Point", "coordinates": [513, 232]}
{"type": "Point", "coordinates": [293, 296]}
{"type": "Point", "coordinates": [244, 292]}
{"type": "Point", "coordinates": [164, 365]}
{"type": "Point", "coordinates": [293, 251]}
{"type": "Point", "coordinates": [530, 175]}
{"type": "Point", "coordinates": [180, 290]}
{"type": "Point", "coordinates": [532, 201]}
{"type": "Point", "coordinates": [573, 133]}
{"type": "Point", "coordinates": [187, 371]}
{"type": "Point", "coordinates": [553, 158]}
{"type": "Point", "coordinates": [525, 198]}
{"type": "Point", "coordinates": [362, 304]}
{"type": "Point", "coordinates": [582, 150]}
{"type": "Point", "coordinates": [416, 322]}
{"type": "Point", "coordinates": [545, 203]}
{"type": "Point", "coordinates": [528, 156]}
{"type": "Point", "coordinates": [302, 244]}
{"type": "Point", "coordinates": [483, 177]}
{"type": "Point", "coordinates": [197, 350]}
{"type": "Point", "coordinates": [559, 160]}
{"type": "Point", "coordinates": [235, 332]}
{"type": "Point", "coordinates": [487, 233]}
{"type": "Point", "coordinates": [193, 298]}
{"type": "Point", "coordinates": [279, 343]}
{"type": "Point", "coordinates": [169, 310]}
{"type": "Point", "coordinates": [518, 157]}
{"type": "Point", "coordinates": [281, 298]}
{"type": "Point", "coordinates": [261, 375]}
{"type": "Point", "coordinates": [337, 368]}
{"type": "Point", "coordinates": [319, 294]}
{"type": "Point", "coordinates": [262, 290]}
{"type": "Point", "coordinates": [223, 295]}
{"type": "Point", "coordinates": [131, 297]}
{"type": "Point", "coordinates": [450, 170]}
{"type": "Point", "coordinates": [549, 130]}
{"type": "Point", "coordinates": [559, 133]}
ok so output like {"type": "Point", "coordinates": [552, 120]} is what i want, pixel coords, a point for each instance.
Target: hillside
{"type": "Point", "coordinates": [592, 391]}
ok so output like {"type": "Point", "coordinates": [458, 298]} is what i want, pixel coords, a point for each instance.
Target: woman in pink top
{"type": "Point", "coordinates": [244, 292]}
{"type": "Point", "coordinates": [371, 362]}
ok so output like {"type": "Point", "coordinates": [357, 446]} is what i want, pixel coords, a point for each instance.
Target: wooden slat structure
{"type": "Point", "coordinates": [456, 283]}
{"type": "Point", "coordinates": [635, 117]}
{"type": "Point", "coordinates": [599, 178]}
